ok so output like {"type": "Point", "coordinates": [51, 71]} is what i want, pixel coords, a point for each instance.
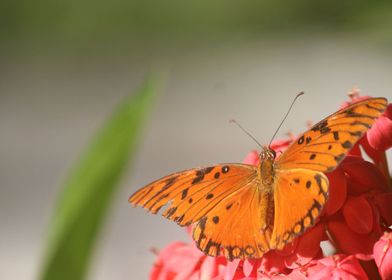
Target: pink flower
{"type": "Point", "coordinates": [181, 260]}
{"type": "Point", "coordinates": [337, 267]}
{"type": "Point", "coordinates": [380, 135]}
{"type": "Point", "coordinates": [383, 255]}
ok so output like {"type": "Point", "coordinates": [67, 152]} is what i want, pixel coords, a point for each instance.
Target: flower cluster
{"type": "Point", "coordinates": [351, 240]}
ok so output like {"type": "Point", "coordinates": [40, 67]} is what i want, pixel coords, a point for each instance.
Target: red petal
{"type": "Point", "coordinates": [355, 151]}
{"type": "Point", "coordinates": [337, 191]}
{"type": "Point", "coordinates": [272, 263]}
{"type": "Point", "coordinates": [363, 176]}
{"type": "Point", "coordinates": [350, 242]}
{"type": "Point", "coordinates": [308, 247]}
{"type": "Point", "coordinates": [377, 226]}
{"type": "Point", "coordinates": [374, 154]}
{"type": "Point", "coordinates": [383, 203]}
{"type": "Point", "coordinates": [358, 214]}
{"type": "Point", "coordinates": [288, 249]}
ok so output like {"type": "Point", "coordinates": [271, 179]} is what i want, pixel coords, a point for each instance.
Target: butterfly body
{"type": "Point", "coordinates": [243, 211]}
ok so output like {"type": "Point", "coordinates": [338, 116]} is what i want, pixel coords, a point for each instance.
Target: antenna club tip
{"type": "Point", "coordinates": [232, 121]}
{"type": "Point", "coordinates": [301, 93]}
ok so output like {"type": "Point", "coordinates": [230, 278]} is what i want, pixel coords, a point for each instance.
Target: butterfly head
{"type": "Point", "coordinates": [266, 166]}
{"type": "Point", "coordinates": [267, 154]}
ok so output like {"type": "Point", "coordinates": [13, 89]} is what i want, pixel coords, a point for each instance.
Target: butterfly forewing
{"type": "Point", "coordinates": [189, 195]}
{"type": "Point", "coordinates": [325, 145]}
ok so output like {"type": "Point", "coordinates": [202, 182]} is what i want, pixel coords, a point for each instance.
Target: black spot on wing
{"type": "Point", "coordinates": [184, 193]}
{"type": "Point", "coordinates": [200, 174]}
{"type": "Point", "coordinates": [351, 113]}
{"type": "Point", "coordinates": [340, 157]}
{"type": "Point", "coordinates": [347, 144]}
{"type": "Point", "coordinates": [356, 133]}
{"type": "Point", "coordinates": [225, 169]}
{"type": "Point", "coordinates": [197, 179]}
{"type": "Point", "coordinates": [322, 127]}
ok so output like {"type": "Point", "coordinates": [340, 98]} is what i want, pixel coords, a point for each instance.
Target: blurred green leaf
{"type": "Point", "coordinates": [90, 187]}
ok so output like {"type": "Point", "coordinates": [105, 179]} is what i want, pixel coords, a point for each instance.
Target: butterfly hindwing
{"type": "Point", "coordinates": [238, 227]}
{"type": "Point", "coordinates": [299, 197]}
{"type": "Point", "coordinates": [325, 145]}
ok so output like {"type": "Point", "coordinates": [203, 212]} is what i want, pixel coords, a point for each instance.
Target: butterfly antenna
{"type": "Point", "coordinates": [288, 111]}
{"type": "Point", "coordinates": [244, 130]}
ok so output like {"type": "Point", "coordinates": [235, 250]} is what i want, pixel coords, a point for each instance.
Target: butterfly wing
{"type": "Point", "coordinates": [299, 195]}
{"type": "Point", "coordinates": [222, 201]}
{"type": "Point", "coordinates": [239, 227]}
{"type": "Point", "coordinates": [325, 145]}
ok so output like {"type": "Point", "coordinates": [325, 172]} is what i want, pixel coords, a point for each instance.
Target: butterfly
{"type": "Point", "coordinates": [243, 211]}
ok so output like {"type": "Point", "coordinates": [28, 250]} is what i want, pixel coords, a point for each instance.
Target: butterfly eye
{"type": "Point", "coordinates": [273, 153]}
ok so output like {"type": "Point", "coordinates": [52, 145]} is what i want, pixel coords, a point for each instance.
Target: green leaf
{"type": "Point", "coordinates": [89, 189]}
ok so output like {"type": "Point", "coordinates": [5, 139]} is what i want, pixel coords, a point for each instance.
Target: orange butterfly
{"type": "Point", "coordinates": [243, 211]}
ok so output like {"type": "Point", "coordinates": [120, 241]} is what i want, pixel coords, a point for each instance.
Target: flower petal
{"type": "Point", "coordinates": [272, 263]}
{"type": "Point", "coordinates": [337, 191]}
{"type": "Point", "coordinates": [363, 176]}
{"type": "Point", "coordinates": [350, 242]}
{"type": "Point", "coordinates": [380, 135]}
{"type": "Point", "coordinates": [231, 269]}
{"type": "Point", "coordinates": [252, 158]}
{"type": "Point", "coordinates": [337, 267]}
{"type": "Point", "coordinates": [308, 247]}
{"type": "Point", "coordinates": [383, 202]}
{"type": "Point", "coordinates": [383, 255]}
{"type": "Point", "coordinates": [358, 214]}
{"type": "Point", "coordinates": [249, 266]}
{"type": "Point", "coordinates": [208, 268]}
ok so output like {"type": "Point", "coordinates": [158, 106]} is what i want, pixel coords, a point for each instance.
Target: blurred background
{"type": "Point", "coordinates": [64, 65]}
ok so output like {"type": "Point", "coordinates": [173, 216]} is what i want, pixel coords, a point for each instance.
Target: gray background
{"type": "Point", "coordinates": [49, 109]}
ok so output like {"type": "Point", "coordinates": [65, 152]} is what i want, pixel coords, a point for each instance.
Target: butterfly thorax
{"type": "Point", "coordinates": [266, 169]}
